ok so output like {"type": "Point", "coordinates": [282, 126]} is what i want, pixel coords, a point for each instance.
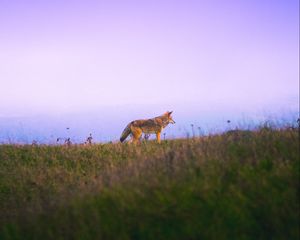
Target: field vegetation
{"type": "Point", "coordinates": [236, 185]}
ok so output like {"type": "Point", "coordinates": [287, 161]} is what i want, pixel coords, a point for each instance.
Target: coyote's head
{"type": "Point", "coordinates": [169, 117]}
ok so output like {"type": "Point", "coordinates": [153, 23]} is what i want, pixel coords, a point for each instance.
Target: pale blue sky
{"type": "Point", "coordinates": [70, 56]}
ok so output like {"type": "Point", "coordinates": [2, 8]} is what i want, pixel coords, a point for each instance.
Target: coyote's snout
{"type": "Point", "coordinates": [154, 125]}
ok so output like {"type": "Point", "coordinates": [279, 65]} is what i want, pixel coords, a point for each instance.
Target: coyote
{"type": "Point", "coordinates": [154, 125]}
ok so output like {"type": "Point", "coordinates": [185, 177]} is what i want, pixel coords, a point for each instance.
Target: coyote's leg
{"type": "Point", "coordinates": [158, 137]}
{"type": "Point", "coordinates": [136, 134]}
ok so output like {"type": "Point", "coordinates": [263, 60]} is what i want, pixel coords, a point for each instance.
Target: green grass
{"type": "Point", "coordinates": [240, 185]}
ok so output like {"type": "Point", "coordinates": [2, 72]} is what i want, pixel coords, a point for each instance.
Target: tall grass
{"type": "Point", "coordinates": [239, 185]}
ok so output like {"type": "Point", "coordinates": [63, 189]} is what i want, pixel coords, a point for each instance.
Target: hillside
{"type": "Point", "coordinates": [238, 185]}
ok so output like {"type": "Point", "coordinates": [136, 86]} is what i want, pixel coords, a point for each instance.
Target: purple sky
{"type": "Point", "coordinates": [65, 56]}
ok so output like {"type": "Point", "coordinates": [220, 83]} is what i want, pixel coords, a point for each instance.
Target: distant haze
{"type": "Point", "coordinates": [95, 65]}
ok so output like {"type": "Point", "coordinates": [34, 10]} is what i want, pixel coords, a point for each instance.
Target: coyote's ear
{"type": "Point", "coordinates": [170, 113]}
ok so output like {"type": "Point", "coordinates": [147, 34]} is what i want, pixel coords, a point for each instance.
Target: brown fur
{"type": "Point", "coordinates": [154, 125]}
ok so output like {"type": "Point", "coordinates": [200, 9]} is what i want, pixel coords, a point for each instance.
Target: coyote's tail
{"type": "Point", "coordinates": [126, 132]}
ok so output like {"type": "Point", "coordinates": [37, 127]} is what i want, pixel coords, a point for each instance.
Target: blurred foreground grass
{"type": "Point", "coordinates": [239, 185]}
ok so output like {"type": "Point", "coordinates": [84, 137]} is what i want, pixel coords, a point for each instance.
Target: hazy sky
{"type": "Point", "coordinates": [73, 55]}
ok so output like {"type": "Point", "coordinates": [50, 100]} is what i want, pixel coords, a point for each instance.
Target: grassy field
{"type": "Point", "coordinates": [239, 185]}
